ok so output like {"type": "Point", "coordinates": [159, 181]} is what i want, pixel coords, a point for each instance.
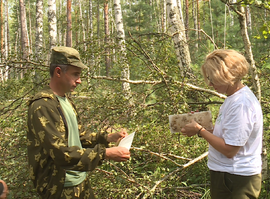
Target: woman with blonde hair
{"type": "Point", "coordinates": [235, 144]}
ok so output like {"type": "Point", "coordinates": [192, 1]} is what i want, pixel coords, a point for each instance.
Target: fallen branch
{"type": "Point", "coordinates": [162, 156]}
{"type": "Point", "coordinates": [127, 177]}
{"type": "Point", "coordinates": [172, 173]}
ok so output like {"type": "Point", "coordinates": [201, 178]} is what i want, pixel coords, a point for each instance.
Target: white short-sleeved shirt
{"type": "Point", "coordinates": [239, 123]}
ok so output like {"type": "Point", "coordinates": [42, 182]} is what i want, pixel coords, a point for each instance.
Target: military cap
{"type": "Point", "coordinates": [67, 56]}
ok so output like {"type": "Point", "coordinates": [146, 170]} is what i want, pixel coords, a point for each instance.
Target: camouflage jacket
{"type": "Point", "coordinates": [48, 153]}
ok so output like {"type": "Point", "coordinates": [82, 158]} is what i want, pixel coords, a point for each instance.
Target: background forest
{"type": "Point", "coordinates": [144, 59]}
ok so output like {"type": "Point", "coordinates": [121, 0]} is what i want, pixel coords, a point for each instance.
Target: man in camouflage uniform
{"type": "Point", "coordinates": [59, 150]}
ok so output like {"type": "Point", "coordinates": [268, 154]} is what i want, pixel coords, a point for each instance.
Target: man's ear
{"type": "Point", "coordinates": [57, 71]}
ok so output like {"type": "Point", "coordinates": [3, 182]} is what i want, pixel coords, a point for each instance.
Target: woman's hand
{"type": "Point", "coordinates": [115, 137]}
{"type": "Point", "coordinates": [191, 129]}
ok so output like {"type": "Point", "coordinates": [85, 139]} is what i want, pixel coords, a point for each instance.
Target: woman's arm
{"type": "Point", "coordinates": [218, 143]}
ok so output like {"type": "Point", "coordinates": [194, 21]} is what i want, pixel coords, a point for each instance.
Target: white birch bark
{"type": "Point", "coordinates": [179, 38]}
{"type": "Point", "coordinates": [39, 36]}
{"type": "Point", "coordinates": [179, 5]}
{"type": "Point", "coordinates": [39, 27]}
{"type": "Point", "coordinates": [121, 41]}
{"type": "Point", "coordinates": [52, 22]}
{"type": "Point", "coordinates": [249, 54]}
{"type": "Point", "coordinates": [164, 17]}
{"type": "Point", "coordinates": [195, 21]}
{"type": "Point", "coordinates": [91, 19]}
{"type": "Point", "coordinates": [248, 15]}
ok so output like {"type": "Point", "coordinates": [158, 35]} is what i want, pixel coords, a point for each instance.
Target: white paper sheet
{"type": "Point", "coordinates": [127, 141]}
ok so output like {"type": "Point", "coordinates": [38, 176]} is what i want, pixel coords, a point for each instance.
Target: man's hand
{"type": "Point", "coordinates": [118, 154]}
{"type": "Point", "coordinates": [114, 137]}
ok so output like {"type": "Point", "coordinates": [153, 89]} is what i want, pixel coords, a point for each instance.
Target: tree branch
{"type": "Point", "coordinates": [175, 171]}
{"type": "Point", "coordinates": [159, 82]}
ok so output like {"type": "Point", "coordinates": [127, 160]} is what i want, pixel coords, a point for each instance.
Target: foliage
{"type": "Point", "coordinates": [101, 103]}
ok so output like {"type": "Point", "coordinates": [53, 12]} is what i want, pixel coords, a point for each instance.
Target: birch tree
{"type": "Point", "coordinates": [52, 22]}
{"type": "Point", "coordinates": [82, 24]}
{"type": "Point", "coordinates": [255, 77]}
{"type": "Point", "coordinates": [198, 19]}
{"type": "Point", "coordinates": [121, 41]}
{"type": "Point", "coordinates": [249, 55]}
{"type": "Point", "coordinates": [240, 10]}
{"type": "Point", "coordinates": [164, 17]}
{"type": "Point", "coordinates": [179, 5]}
{"type": "Point", "coordinates": [39, 35]}
{"type": "Point", "coordinates": [248, 16]}
{"type": "Point", "coordinates": [39, 27]}
{"type": "Point", "coordinates": [91, 19]}
{"type": "Point", "coordinates": [178, 33]}
{"type": "Point", "coordinates": [69, 22]}
{"type": "Point", "coordinates": [187, 17]}
{"type": "Point", "coordinates": [2, 27]}
{"type": "Point", "coordinates": [195, 20]}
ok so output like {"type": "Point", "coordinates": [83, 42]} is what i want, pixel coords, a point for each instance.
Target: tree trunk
{"type": "Point", "coordinates": [106, 39]}
{"type": "Point", "coordinates": [6, 76]}
{"type": "Point", "coordinates": [178, 31]}
{"type": "Point", "coordinates": [179, 5]}
{"type": "Point", "coordinates": [121, 41]}
{"type": "Point", "coordinates": [77, 28]}
{"type": "Point", "coordinates": [91, 32]}
{"type": "Point", "coordinates": [39, 27]}
{"type": "Point", "coordinates": [59, 24]}
{"type": "Point", "coordinates": [30, 27]}
{"type": "Point", "coordinates": [187, 19]}
{"type": "Point", "coordinates": [98, 31]}
{"type": "Point", "coordinates": [83, 26]}
{"type": "Point", "coordinates": [24, 32]}
{"type": "Point", "coordinates": [211, 20]}
{"type": "Point", "coordinates": [52, 22]}
{"type": "Point", "coordinates": [195, 21]}
{"type": "Point", "coordinates": [198, 20]}
{"type": "Point", "coordinates": [91, 19]}
{"type": "Point", "coordinates": [39, 37]}
{"type": "Point", "coordinates": [256, 81]}
{"type": "Point", "coordinates": [2, 34]}
{"type": "Point", "coordinates": [164, 17]}
{"type": "Point", "coordinates": [249, 54]}
{"type": "Point", "coordinates": [69, 22]}
{"type": "Point", "coordinates": [248, 16]}
{"type": "Point", "coordinates": [98, 23]}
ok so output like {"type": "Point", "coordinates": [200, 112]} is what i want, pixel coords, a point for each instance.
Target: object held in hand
{"type": "Point", "coordinates": [177, 122]}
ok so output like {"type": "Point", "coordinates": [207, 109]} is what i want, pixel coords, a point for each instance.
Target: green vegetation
{"type": "Point", "coordinates": [156, 153]}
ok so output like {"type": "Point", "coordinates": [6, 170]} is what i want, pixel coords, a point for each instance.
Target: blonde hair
{"type": "Point", "coordinates": [224, 67]}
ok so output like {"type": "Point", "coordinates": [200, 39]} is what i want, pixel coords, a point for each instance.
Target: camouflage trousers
{"type": "Point", "coordinates": [81, 191]}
